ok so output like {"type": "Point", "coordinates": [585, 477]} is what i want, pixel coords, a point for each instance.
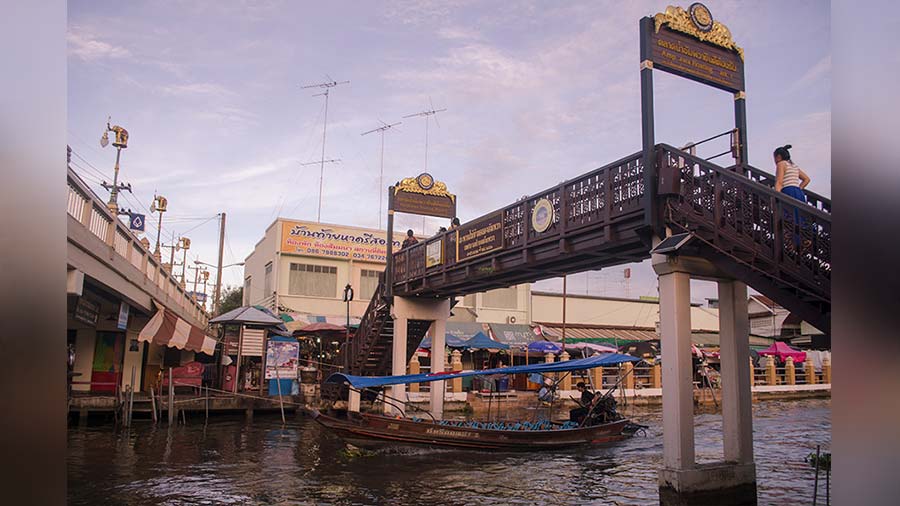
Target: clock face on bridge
{"type": "Point", "coordinates": [542, 215]}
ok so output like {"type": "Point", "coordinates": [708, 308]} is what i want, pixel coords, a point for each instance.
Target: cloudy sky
{"type": "Point", "coordinates": [535, 92]}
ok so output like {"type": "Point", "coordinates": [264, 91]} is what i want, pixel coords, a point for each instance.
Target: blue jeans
{"type": "Point", "coordinates": [797, 193]}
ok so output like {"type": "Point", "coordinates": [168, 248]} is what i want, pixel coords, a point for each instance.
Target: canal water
{"type": "Point", "coordinates": [233, 461]}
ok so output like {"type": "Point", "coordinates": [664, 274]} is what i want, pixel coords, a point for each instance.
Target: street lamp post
{"type": "Point", "coordinates": [348, 296]}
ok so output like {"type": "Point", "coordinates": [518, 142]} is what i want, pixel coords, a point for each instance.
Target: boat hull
{"type": "Point", "coordinates": [368, 430]}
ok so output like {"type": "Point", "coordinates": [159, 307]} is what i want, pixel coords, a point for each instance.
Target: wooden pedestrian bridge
{"type": "Point", "coordinates": [738, 224]}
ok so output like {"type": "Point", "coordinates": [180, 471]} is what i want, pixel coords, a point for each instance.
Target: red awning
{"type": "Point", "coordinates": [167, 329]}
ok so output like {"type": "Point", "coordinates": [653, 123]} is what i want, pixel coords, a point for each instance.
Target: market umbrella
{"type": "Point", "coordinates": [321, 327]}
{"type": "Point", "coordinates": [543, 347]}
{"type": "Point", "coordinates": [599, 348]}
{"type": "Point", "coordinates": [450, 340]}
{"type": "Point", "coordinates": [782, 351]}
{"type": "Point", "coordinates": [482, 342]}
{"type": "Point", "coordinates": [249, 315]}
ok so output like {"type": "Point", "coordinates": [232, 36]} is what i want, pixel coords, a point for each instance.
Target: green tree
{"type": "Point", "coordinates": [232, 298]}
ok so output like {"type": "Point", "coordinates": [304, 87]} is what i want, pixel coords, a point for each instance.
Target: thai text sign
{"type": "Point", "coordinates": [313, 239]}
{"type": "Point", "coordinates": [419, 203]}
{"type": "Point", "coordinates": [86, 311]}
{"type": "Point", "coordinates": [434, 253]}
{"type": "Point", "coordinates": [479, 237]}
{"type": "Point", "coordinates": [688, 57]}
{"type": "Point", "coordinates": [281, 359]}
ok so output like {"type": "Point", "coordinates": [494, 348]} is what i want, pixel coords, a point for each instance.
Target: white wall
{"type": "Point", "coordinates": [607, 311]}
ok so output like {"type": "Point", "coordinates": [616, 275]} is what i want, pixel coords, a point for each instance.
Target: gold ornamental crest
{"type": "Point", "coordinates": [697, 22]}
{"type": "Point", "coordinates": [424, 184]}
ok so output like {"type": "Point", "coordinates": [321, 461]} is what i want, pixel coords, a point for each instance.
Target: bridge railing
{"type": "Point", "coordinates": [764, 178]}
{"type": "Point", "coordinates": [601, 197]}
{"type": "Point", "coordinates": [739, 211]}
{"type": "Point", "coordinates": [90, 212]}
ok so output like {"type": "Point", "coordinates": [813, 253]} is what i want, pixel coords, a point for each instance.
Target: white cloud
{"type": "Point", "coordinates": [196, 89]}
{"type": "Point", "coordinates": [88, 47]}
{"type": "Point", "coordinates": [819, 71]}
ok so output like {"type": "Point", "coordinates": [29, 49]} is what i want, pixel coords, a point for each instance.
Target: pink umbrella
{"type": "Point", "coordinates": [782, 351]}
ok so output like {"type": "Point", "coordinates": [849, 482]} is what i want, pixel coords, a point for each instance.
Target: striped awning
{"type": "Point", "coordinates": [168, 329]}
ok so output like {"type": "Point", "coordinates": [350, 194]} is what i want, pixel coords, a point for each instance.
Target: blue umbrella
{"type": "Point", "coordinates": [543, 347]}
{"type": "Point", "coordinates": [451, 341]}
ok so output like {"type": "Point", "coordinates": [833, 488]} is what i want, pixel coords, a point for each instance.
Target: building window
{"type": "Point", "coordinates": [504, 298]}
{"type": "Point", "coordinates": [246, 294]}
{"type": "Point", "coordinates": [368, 283]}
{"type": "Point", "coordinates": [267, 282]}
{"type": "Point", "coordinates": [313, 280]}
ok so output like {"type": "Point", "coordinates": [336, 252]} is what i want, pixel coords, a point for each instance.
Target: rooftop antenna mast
{"type": "Point", "coordinates": [327, 85]}
{"type": "Point", "coordinates": [383, 128]}
{"type": "Point", "coordinates": [427, 114]}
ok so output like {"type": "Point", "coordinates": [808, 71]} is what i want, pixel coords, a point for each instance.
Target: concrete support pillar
{"type": "Point", "coordinates": [810, 371]}
{"type": "Point", "coordinates": [566, 382]}
{"type": "Point", "coordinates": [678, 395]}
{"type": "Point", "coordinates": [790, 373]}
{"type": "Point", "coordinates": [414, 369]}
{"type": "Point", "coordinates": [826, 370]}
{"type": "Point", "coordinates": [353, 401]}
{"type": "Point", "coordinates": [398, 363]}
{"type": "Point", "coordinates": [656, 376]}
{"type": "Point", "coordinates": [456, 365]}
{"type": "Point", "coordinates": [438, 364]}
{"type": "Point", "coordinates": [771, 378]}
{"type": "Point", "coordinates": [734, 335]}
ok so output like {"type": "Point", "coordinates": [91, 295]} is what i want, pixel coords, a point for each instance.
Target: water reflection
{"type": "Point", "coordinates": [232, 461]}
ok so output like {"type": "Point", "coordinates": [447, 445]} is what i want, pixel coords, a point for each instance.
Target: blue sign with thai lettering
{"type": "Point", "coordinates": [136, 221]}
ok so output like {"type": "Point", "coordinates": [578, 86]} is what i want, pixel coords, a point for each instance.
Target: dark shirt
{"type": "Point", "coordinates": [587, 397]}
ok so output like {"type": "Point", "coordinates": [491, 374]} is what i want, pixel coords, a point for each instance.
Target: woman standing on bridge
{"type": "Point", "coordinates": [789, 178]}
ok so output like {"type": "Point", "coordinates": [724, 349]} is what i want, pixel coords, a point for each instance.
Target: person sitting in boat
{"type": "Point", "coordinates": [545, 394]}
{"type": "Point", "coordinates": [587, 398]}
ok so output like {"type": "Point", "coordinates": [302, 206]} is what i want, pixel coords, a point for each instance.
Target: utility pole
{"type": "Point", "coordinates": [185, 246]}
{"type": "Point", "coordinates": [384, 128]}
{"type": "Point", "coordinates": [120, 143]}
{"type": "Point", "coordinates": [331, 83]}
{"type": "Point", "coordinates": [218, 290]}
{"type": "Point", "coordinates": [427, 114]}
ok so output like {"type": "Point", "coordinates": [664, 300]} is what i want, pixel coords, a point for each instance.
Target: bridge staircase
{"type": "Point", "coordinates": [749, 231]}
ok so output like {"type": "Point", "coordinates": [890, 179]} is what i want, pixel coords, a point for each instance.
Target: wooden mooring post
{"type": "Point", "coordinates": [153, 405]}
{"type": "Point", "coordinates": [171, 399]}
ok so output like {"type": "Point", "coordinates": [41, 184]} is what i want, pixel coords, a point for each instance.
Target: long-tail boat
{"type": "Point", "coordinates": [601, 425]}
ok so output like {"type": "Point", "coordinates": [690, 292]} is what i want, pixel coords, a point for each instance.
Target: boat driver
{"type": "Point", "coordinates": [587, 397]}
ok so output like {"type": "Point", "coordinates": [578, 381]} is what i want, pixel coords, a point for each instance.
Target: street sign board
{"type": "Point", "coordinates": [136, 221]}
{"type": "Point", "coordinates": [479, 237]}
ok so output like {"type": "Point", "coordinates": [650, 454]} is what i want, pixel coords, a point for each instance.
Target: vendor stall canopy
{"type": "Point", "coordinates": [580, 364]}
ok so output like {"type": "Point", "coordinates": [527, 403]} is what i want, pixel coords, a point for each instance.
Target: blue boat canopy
{"type": "Point", "coordinates": [569, 365]}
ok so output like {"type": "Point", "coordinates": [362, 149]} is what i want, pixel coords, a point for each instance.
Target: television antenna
{"type": "Point", "coordinates": [382, 129]}
{"type": "Point", "coordinates": [427, 114]}
{"type": "Point", "coordinates": [327, 85]}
